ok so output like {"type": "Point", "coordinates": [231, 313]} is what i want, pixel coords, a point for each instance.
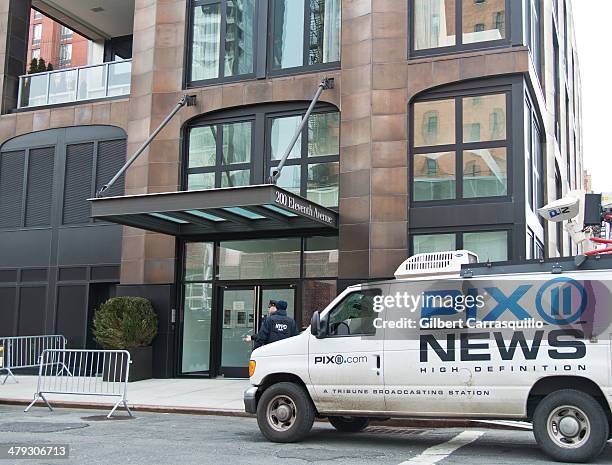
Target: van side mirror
{"type": "Point", "coordinates": [315, 324]}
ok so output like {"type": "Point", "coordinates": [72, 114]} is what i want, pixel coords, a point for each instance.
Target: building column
{"type": "Point", "coordinates": [14, 27]}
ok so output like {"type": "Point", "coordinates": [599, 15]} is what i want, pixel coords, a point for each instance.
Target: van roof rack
{"type": "Point", "coordinates": [549, 265]}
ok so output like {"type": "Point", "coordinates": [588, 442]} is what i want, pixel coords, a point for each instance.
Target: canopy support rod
{"type": "Point", "coordinates": [326, 83]}
{"type": "Point", "coordinates": [189, 100]}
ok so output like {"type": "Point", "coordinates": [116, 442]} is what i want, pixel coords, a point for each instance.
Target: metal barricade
{"type": "Point", "coordinates": [88, 372]}
{"type": "Point", "coordinates": [25, 351]}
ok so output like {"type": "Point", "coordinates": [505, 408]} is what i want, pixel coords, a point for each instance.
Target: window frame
{"type": "Point", "coordinates": [459, 147]}
{"type": "Point", "coordinates": [304, 68]}
{"type": "Point", "coordinates": [263, 28]}
{"type": "Point", "coordinates": [326, 318]}
{"type": "Point", "coordinates": [188, 81]}
{"type": "Point", "coordinates": [260, 163]}
{"type": "Point", "coordinates": [459, 46]}
{"type": "Point", "coordinates": [304, 160]}
{"type": "Point", "coordinates": [219, 168]}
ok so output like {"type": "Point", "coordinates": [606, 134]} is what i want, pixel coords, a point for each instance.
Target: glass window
{"type": "Point", "coordinates": [483, 21]}
{"type": "Point", "coordinates": [434, 176]}
{"type": "Point", "coordinates": [319, 141]}
{"type": "Point", "coordinates": [228, 142]}
{"type": "Point", "coordinates": [35, 53]}
{"type": "Point", "coordinates": [235, 178]}
{"type": "Point", "coordinates": [199, 261]}
{"type": "Point", "coordinates": [489, 246]}
{"type": "Point", "coordinates": [199, 181]}
{"type": "Point", "coordinates": [434, 24]}
{"type": "Point", "coordinates": [487, 113]}
{"type": "Point", "coordinates": [321, 257]}
{"type": "Point", "coordinates": [324, 34]}
{"type": "Point", "coordinates": [322, 185]}
{"type": "Point", "coordinates": [37, 33]}
{"type": "Point", "coordinates": [354, 315]}
{"type": "Point", "coordinates": [288, 34]}
{"type": "Point", "coordinates": [485, 173]}
{"type": "Point", "coordinates": [436, 120]}
{"type": "Point", "coordinates": [236, 143]}
{"type": "Point", "coordinates": [234, 18]}
{"type": "Point", "coordinates": [291, 178]}
{"type": "Point", "coordinates": [203, 146]}
{"type": "Point", "coordinates": [260, 259]}
{"type": "Point", "coordinates": [290, 47]}
{"type": "Point", "coordinates": [427, 243]}
{"type": "Point", "coordinates": [323, 134]}
{"type": "Point", "coordinates": [65, 58]}
{"type": "Point", "coordinates": [482, 168]}
{"type": "Point", "coordinates": [196, 327]}
{"type": "Point", "coordinates": [282, 131]}
{"type": "Point", "coordinates": [239, 37]}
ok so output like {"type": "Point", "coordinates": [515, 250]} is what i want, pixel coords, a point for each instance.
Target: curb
{"type": "Point", "coordinates": [421, 423]}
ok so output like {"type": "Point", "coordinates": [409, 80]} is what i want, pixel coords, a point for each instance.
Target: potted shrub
{"type": "Point", "coordinates": [128, 323]}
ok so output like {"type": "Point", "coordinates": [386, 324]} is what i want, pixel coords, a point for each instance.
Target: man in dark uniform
{"type": "Point", "coordinates": [277, 326]}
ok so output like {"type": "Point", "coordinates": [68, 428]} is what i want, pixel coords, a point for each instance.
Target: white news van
{"type": "Point", "coordinates": [450, 338]}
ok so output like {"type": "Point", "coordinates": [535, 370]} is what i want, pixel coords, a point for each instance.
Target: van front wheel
{"type": "Point", "coordinates": [285, 413]}
{"type": "Point", "coordinates": [349, 424]}
{"type": "Point", "coordinates": [570, 426]}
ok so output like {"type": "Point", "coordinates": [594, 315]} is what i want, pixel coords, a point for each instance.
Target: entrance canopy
{"type": "Point", "coordinates": [261, 209]}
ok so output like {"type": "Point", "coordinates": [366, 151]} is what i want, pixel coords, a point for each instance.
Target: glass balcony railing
{"type": "Point", "coordinates": [75, 84]}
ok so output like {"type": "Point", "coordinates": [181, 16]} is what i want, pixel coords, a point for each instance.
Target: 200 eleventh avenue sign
{"type": "Point", "coordinates": [263, 209]}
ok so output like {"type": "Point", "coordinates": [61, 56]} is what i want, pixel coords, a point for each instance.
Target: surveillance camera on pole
{"type": "Point", "coordinates": [584, 216]}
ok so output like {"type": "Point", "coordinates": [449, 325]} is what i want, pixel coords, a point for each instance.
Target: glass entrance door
{"type": "Point", "coordinates": [243, 308]}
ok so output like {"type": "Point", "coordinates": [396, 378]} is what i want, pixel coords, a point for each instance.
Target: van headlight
{"type": "Point", "coordinates": [252, 364]}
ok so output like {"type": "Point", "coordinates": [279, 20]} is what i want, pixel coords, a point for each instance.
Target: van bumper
{"type": "Point", "coordinates": [250, 400]}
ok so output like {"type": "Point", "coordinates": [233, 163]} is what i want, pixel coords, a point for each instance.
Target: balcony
{"type": "Point", "coordinates": [75, 84]}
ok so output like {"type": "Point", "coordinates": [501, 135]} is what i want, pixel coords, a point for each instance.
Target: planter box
{"type": "Point", "coordinates": [141, 367]}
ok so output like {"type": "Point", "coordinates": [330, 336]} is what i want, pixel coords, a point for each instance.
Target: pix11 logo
{"type": "Point", "coordinates": [561, 301]}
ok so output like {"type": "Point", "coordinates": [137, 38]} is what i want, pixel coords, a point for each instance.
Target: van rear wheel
{"type": "Point", "coordinates": [570, 426]}
{"type": "Point", "coordinates": [349, 424]}
{"type": "Point", "coordinates": [285, 413]}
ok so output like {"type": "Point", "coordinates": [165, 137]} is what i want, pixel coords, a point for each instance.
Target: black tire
{"type": "Point", "coordinates": [349, 424]}
{"type": "Point", "coordinates": [585, 415]}
{"type": "Point", "coordinates": [274, 423]}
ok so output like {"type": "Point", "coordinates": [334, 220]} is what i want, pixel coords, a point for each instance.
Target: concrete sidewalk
{"type": "Point", "coordinates": [205, 396]}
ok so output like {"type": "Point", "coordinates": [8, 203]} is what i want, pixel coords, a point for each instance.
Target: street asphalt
{"type": "Point", "coordinates": [158, 438]}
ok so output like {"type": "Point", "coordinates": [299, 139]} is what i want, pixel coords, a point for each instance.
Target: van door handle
{"type": "Point", "coordinates": [378, 362]}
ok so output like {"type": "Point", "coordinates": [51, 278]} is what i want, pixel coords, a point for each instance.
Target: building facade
{"type": "Point", "coordinates": [449, 123]}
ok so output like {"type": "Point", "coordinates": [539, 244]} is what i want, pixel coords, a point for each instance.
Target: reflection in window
{"type": "Point", "coordinates": [486, 20]}
{"type": "Point", "coordinates": [220, 155]}
{"type": "Point", "coordinates": [354, 315]}
{"type": "Point", "coordinates": [434, 176]}
{"type": "Point", "coordinates": [438, 122]}
{"type": "Point", "coordinates": [323, 33]}
{"type": "Point", "coordinates": [485, 173]}
{"type": "Point", "coordinates": [260, 259]}
{"type": "Point", "coordinates": [239, 37]}
{"type": "Point", "coordinates": [483, 168]}
{"type": "Point", "coordinates": [196, 328]}
{"type": "Point", "coordinates": [322, 185]}
{"type": "Point", "coordinates": [205, 48]}
{"type": "Point", "coordinates": [198, 261]}
{"type": "Point", "coordinates": [321, 257]}
{"type": "Point", "coordinates": [489, 246]}
{"type": "Point", "coordinates": [207, 51]}
{"type": "Point", "coordinates": [427, 243]}
{"type": "Point", "coordinates": [486, 111]}
{"type": "Point", "coordinates": [434, 24]}
{"type": "Point", "coordinates": [316, 181]}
